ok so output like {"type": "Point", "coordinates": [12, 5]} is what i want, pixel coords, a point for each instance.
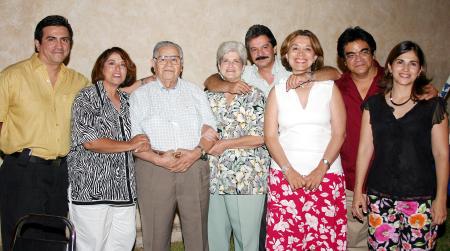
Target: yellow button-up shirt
{"type": "Point", "coordinates": [35, 114]}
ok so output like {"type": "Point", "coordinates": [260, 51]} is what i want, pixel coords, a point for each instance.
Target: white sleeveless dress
{"type": "Point", "coordinates": [304, 133]}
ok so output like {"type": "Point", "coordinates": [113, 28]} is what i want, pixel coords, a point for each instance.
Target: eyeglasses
{"type": "Point", "coordinates": [231, 62]}
{"type": "Point", "coordinates": [362, 53]}
{"type": "Point", "coordinates": [175, 60]}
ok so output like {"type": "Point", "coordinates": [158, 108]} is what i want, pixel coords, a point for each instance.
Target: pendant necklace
{"type": "Point", "coordinates": [397, 104]}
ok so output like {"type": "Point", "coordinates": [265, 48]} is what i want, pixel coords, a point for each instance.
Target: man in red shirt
{"type": "Point", "coordinates": [356, 48]}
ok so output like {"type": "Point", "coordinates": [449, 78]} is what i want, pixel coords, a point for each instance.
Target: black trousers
{"type": "Point", "coordinates": [32, 188]}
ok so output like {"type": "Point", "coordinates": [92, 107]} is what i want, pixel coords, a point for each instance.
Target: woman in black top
{"type": "Point", "coordinates": [101, 166]}
{"type": "Point", "coordinates": [408, 139]}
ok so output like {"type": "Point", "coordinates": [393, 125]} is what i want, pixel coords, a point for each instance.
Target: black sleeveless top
{"type": "Point", "coordinates": [403, 164]}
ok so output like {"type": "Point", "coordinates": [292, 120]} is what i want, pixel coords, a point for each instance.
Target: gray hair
{"type": "Point", "coordinates": [229, 46]}
{"type": "Point", "coordinates": [161, 44]}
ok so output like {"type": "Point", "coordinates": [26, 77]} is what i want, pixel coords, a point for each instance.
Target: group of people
{"type": "Point", "coordinates": [275, 154]}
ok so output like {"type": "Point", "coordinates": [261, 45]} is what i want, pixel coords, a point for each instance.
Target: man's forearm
{"type": "Point", "coordinates": [215, 83]}
{"type": "Point", "coordinates": [327, 73]}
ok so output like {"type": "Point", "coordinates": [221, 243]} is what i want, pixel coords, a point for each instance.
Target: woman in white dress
{"type": "Point", "coordinates": [304, 130]}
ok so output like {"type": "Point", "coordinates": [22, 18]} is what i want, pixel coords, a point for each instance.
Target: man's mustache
{"type": "Point", "coordinates": [261, 58]}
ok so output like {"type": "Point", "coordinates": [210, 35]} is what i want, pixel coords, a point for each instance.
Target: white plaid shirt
{"type": "Point", "coordinates": [171, 118]}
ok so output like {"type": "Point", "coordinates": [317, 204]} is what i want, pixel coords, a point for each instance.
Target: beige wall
{"type": "Point", "coordinates": [200, 26]}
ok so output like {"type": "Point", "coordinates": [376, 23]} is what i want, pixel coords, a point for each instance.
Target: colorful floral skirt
{"type": "Point", "coordinates": [400, 225]}
{"type": "Point", "coordinates": [306, 220]}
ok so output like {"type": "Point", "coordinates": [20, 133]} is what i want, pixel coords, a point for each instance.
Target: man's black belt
{"type": "Point", "coordinates": [39, 160]}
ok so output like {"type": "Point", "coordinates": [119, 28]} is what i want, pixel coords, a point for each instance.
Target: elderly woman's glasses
{"type": "Point", "coordinates": [175, 60]}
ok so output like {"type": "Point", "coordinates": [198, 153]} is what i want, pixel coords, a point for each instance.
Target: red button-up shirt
{"type": "Point", "coordinates": [353, 102]}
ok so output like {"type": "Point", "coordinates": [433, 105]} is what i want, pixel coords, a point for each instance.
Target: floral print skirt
{"type": "Point", "coordinates": [306, 220]}
{"type": "Point", "coordinates": [400, 225]}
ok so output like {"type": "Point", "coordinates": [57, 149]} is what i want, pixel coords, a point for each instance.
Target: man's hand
{"type": "Point", "coordinates": [239, 87]}
{"type": "Point", "coordinates": [209, 133]}
{"type": "Point", "coordinates": [186, 159]}
{"type": "Point", "coordinates": [294, 179]}
{"type": "Point", "coordinates": [297, 80]}
{"type": "Point", "coordinates": [208, 138]}
{"type": "Point", "coordinates": [168, 160]}
{"type": "Point", "coordinates": [429, 92]}
{"type": "Point", "coordinates": [359, 205]}
{"type": "Point", "coordinates": [140, 143]}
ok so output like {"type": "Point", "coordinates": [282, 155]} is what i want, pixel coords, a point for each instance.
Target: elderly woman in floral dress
{"type": "Point", "coordinates": [239, 161]}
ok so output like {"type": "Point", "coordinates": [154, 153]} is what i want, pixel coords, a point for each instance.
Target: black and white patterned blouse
{"type": "Point", "coordinates": [100, 178]}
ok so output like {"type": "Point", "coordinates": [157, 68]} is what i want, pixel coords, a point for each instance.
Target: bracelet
{"type": "Point", "coordinates": [285, 168]}
{"type": "Point", "coordinates": [326, 162]}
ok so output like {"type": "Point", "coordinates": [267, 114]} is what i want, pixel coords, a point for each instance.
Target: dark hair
{"type": "Point", "coordinates": [53, 20]}
{"type": "Point", "coordinates": [421, 80]}
{"type": "Point", "coordinates": [353, 34]}
{"type": "Point", "coordinates": [97, 70]}
{"type": "Point", "coordinates": [315, 44]}
{"type": "Point", "coordinates": [259, 30]}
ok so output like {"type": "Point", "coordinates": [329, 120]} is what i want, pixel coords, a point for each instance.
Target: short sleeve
{"type": "Point", "coordinates": [85, 119]}
{"type": "Point", "coordinates": [207, 117]}
{"type": "Point", "coordinates": [439, 111]}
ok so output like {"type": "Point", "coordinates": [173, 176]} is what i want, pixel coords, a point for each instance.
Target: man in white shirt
{"type": "Point", "coordinates": [176, 116]}
{"type": "Point", "coordinates": [266, 69]}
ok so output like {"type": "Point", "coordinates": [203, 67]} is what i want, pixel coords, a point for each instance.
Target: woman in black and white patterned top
{"type": "Point", "coordinates": [101, 171]}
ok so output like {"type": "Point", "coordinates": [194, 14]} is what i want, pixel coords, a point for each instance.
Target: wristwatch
{"type": "Point", "coordinates": [204, 155]}
{"type": "Point", "coordinates": [326, 162]}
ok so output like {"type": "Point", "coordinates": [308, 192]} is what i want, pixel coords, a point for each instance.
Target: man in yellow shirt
{"type": "Point", "coordinates": [36, 97]}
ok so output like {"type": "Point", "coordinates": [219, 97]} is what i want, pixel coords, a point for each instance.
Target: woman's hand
{"type": "Point", "coordinates": [294, 179]}
{"type": "Point", "coordinates": [359, 205]}
{"type": "Point", "coordinates": [438, 211]}
{"type": "Point", "coordinates": [140, 143]}
{"type": "Point", "coordinates": [313, 180]}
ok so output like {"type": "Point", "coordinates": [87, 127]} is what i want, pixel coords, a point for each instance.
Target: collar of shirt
{"type": "Point", "coordinates": [348, 87]}
{"type": "Point", "coordinates": [251, 76]}
{"type": "Point", "coordinates": [163, 88]}
{"type": "Point", "coordinates": [37, 64]}
{"type": "Point", "coordinates": [123, 96]}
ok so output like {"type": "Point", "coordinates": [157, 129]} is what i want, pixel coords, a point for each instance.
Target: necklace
{"type": "Point", "coordinates": [397, 104]}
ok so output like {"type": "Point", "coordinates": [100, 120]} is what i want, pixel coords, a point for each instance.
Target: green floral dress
{"type": "Point", "coordinates": [239, 171]}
